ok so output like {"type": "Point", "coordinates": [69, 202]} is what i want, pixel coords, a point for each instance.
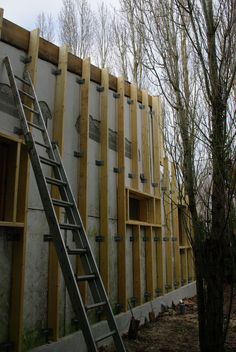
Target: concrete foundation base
{"type": "Point", "coordinates": [75, 342]}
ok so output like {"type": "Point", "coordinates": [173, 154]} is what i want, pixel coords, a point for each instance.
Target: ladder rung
{"type": "Point", "coordinates": [36, 126]}
{"type": "Point", "coordinates": [22, 80]}
{"type": "Point", "coordinates": [42, 145]}
{"type": "Point", "coordinates": [76, 251]}
{"type": "Point", "coordinates": [95, 305]}
{"type": "Point", "coordinates": [27, 94]}
{"type": "Point", "coordinates": [30, 109]}
{"type": "Point", "coordinates": [103, 337]}
{"type": "Point", "coordinates": [61, 203]}
{"type": "Point", "coordinates": [70, 226]}
{"type": "Point", "coordinates": [48, 161]}
{"type": "Point", "coordinates": [54, 181]}
{"type": "Point", "coordinates": [85, 277]}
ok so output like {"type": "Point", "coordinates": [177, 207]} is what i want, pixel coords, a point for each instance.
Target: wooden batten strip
{"type": "Point", "coordinates": [145, 143]}
{"type": "Point", "coordinates": [156, 102]}
{"type": "Point", "coordinates": [167, 221]}
{"type": "Point", "coordinates": [104, 189]}
{"type": "Point", "coordinates": [137, 265]}
{"type": "Point", "coordinates": [83, 161]}
{"type": "Point", "coordinates": [16, 325]}
{"type": "Point", "coordinates": [149, 262]}
{"type": "Point", "coordinates": [134, 131]}
{"type": "Point", "coordinates": [175, 217]}
{"type": "Point", "coordinates": [58, 135]}
{"type": "Point", "coordinates": [159, 262]}
{"type": "Point", "coordinates": [121, 201]}
{"type": "Point", "coordinates": [16, 184]}
{"type": "Point", "coordinates": [1, 21]}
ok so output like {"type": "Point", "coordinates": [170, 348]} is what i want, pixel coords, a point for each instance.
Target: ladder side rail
{"type": "Point", "coordinates": [101, 288]}
{"type": "Point", "coordinates": [59, 243]}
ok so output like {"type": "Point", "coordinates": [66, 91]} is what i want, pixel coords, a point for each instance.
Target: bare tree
{"type": "Point", "coordinates": [46, 25]}
{"type": "Point", "coordinates": [68, 25]}
{"type": "Point", "coordinates": [76, 26]}
{"type": "Point", "coordinates": [103, 36]}
{"type": "Point", "coordinates": [190, 50]}
{"type": "Point", "coordinates": [120, 34]}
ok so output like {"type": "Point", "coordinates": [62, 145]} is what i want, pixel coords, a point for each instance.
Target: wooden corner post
{"type": "Point", "coordinates": [104, 190]}
{"type": "Point", "coordinates": [121, 199]}
{"type": "Point", "coordinates": [134, 131]}
{"type": "Point", "coordinates": [58, 136]}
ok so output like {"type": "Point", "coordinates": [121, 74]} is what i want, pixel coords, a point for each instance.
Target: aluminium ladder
{"type": "Point", "coordinates": [73, 223]}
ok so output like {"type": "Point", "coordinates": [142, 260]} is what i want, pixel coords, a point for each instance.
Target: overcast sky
{"type": "Point", "coordinates": [24, 12]}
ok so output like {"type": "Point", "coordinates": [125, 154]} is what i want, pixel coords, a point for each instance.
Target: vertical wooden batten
{"type": "Point", "coordinates": [167, 222]}
{"type": "Point", "coordinates": [104, 190]}
{"type": "Point", "coordinates": [121, 201]}
{"type": "Point", "coordinates": [19, 247]}
{"type": "Point", "coordinates": [58, 136]}
{"type": "Point", "coordinates": [137, 264]}
{"type": "Point", "coordinates": [175, 217]}
{"type": "Point", "coordinates": [149, 262]}
{"type": "Point", "coordinates": [1, 21]}
{"type": "Point", "coordinates": [83, 161]}
{"type": "Point", "coordinates": [145, 143]}
{"type": "Point", "coordinates": [134, 131]}
{"type": "Point", "coordinates": [156, 143]}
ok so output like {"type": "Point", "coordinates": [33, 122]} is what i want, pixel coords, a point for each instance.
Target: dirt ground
{"type": "Point", "coordinates": [177, 332]}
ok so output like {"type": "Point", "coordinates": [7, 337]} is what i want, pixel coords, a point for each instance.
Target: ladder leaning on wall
{"type": "Point", "coordinates": [73, 224]}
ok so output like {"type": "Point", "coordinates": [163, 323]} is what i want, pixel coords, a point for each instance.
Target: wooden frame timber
{"type": "Point", "coordinates": [58, 136]}
{"type": "Point", "coordinates": [149, 263]}
{"type": "Point", "coordinates": [167, 222]}
{"type": "Point", "coordinates": [134, 131]}
{"type": "Point", "coordinates": [1, 21]}
{"type": "Point", "coordinates": [83, 161]}
{"type": "Point", "coordinates": [146, 143]}
{"type": "Point", "coordinates": [137, 264]}
{"type": "Point", "coordinates": [19, 247]}
{"type": "Point", "coordinates": [121, 199]}
{"type": "Point", "coordinates": [156, 144]}
{"type": "Point", "coordinates": [104, 189]}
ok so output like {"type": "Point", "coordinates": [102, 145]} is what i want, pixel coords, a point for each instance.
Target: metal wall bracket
{"type": "Point", "coordinates": [141, 106]}
{"type": "Point", "coordinates": [116, 170]}
{"type": "Point", "coordinates": [156, 239]}
{"type": "Point", "coordinates": [118, 307]}
{"type": "Point", "coordinates": [133, 300]}
{"type": "Point", "coordinates": [174, 239]}
{"type": "Point", "coordinates": [165, 239]}
{"type": "Point", "coordinates": [80, 80]}
{"type": "Point", "coordinates": [99, 89]}
{"type": "Point", "coordinates": [168, 287]}
{"type": "Point", "coordinates": [18, 131]}
{"type": "Point", "coordinates": [164, 188]}
{"type": "Point", "coordinates": [130, 175]}
{"type": "Point", "coordinates": [99, 238]}
{"type": "Point", "coordinates": [158, 291]}
{"type": "Point", "coordinates": [47, 238]}
{"type": "Point", "coordinates": [117, 238]}
{"type": "Point", "coordinates": [129, 101]}
{"type": "Point", "coordinates": [99, 162]}
{"type": "Point", "coordinates": [56, 71]}
{"type": "Point", "coordinates": [154, 184]}
{"type": "Point", "coordinates": [142, 178]}
{"type": "Point", "coordinates": [176, 284]}
{"type": "Point", "coordinates": [131, 238]}
{"type": "Point", "coordinates": [78, 154]}
{"type": "Point", "coordinates": [46, 332]}
{"type": "Point", "coordinates": [116, 95]}
{"type": "Point", "coordinates": [145, 238]}
{"type": "Point", "coordinates": [25, 59]}
{"type": "Point", "coordinates": [147, 294]}
{"type": "Point", "coordinates": [183, 281]}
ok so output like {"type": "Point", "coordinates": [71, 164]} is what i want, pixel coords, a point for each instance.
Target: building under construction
{"type": "Point", "coordinates": [109, 136]}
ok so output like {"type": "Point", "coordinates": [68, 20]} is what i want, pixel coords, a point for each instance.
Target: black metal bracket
{"type": "Point", "coordinates": [142, 178]}
{"type": "Point", "coordinates": [141, 106]}
{"type": "Point", "coordinates": [25, 59]}
{"type": "Point", "coordinates": [56, 71]}
{"type": "Point", "coordinates": [130, 101]}
{"type": "Point", "coordinates": [176, 284]}
{"type": "Point", "coordinates": [156, 239]}
{"type": "Point", "coordinates": [154, 184]}
{"type": "Point", "coordinates": [133, 300]}
{"type": "Point", "coordinates": [80, 80]}
{"type": "Point", "coordinates": [158, 291]}
{"type": "Point", "coordinates": [168, 287]}
{"type": "Point", "coordinates": [131, 238]}
{"type": "Point", "coordinates": [18, 131]}
{"type": "Point", "coordinates": [164, 188]}
{"type": "Point", "coordinates": [47, 333]}
{"type": "Point", "coordinates": [130, 175]}
{"type": "Point", "coordinates": [116, 95]}
{"type": "Point", "coordinates": [118, 307]}
{"type": "Point", "coordinates": [99, 238]}
{"type": "Point", "coordinates": [47, 238]}
{"type": "Point", "coordinates": [116, 170]}
{"type": "Point", "coordinates": [99, 162]}
{"type": "Point", "coordinates": [78, 154]}
{"type": "Point", "coordinates": [147, 294]}
{"type": "Point", "coordinates": [99, 89]}
{"type": "Point", "coordinates": [117, 238]}
{"type": "Point", "coordinates": [145, 238]}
